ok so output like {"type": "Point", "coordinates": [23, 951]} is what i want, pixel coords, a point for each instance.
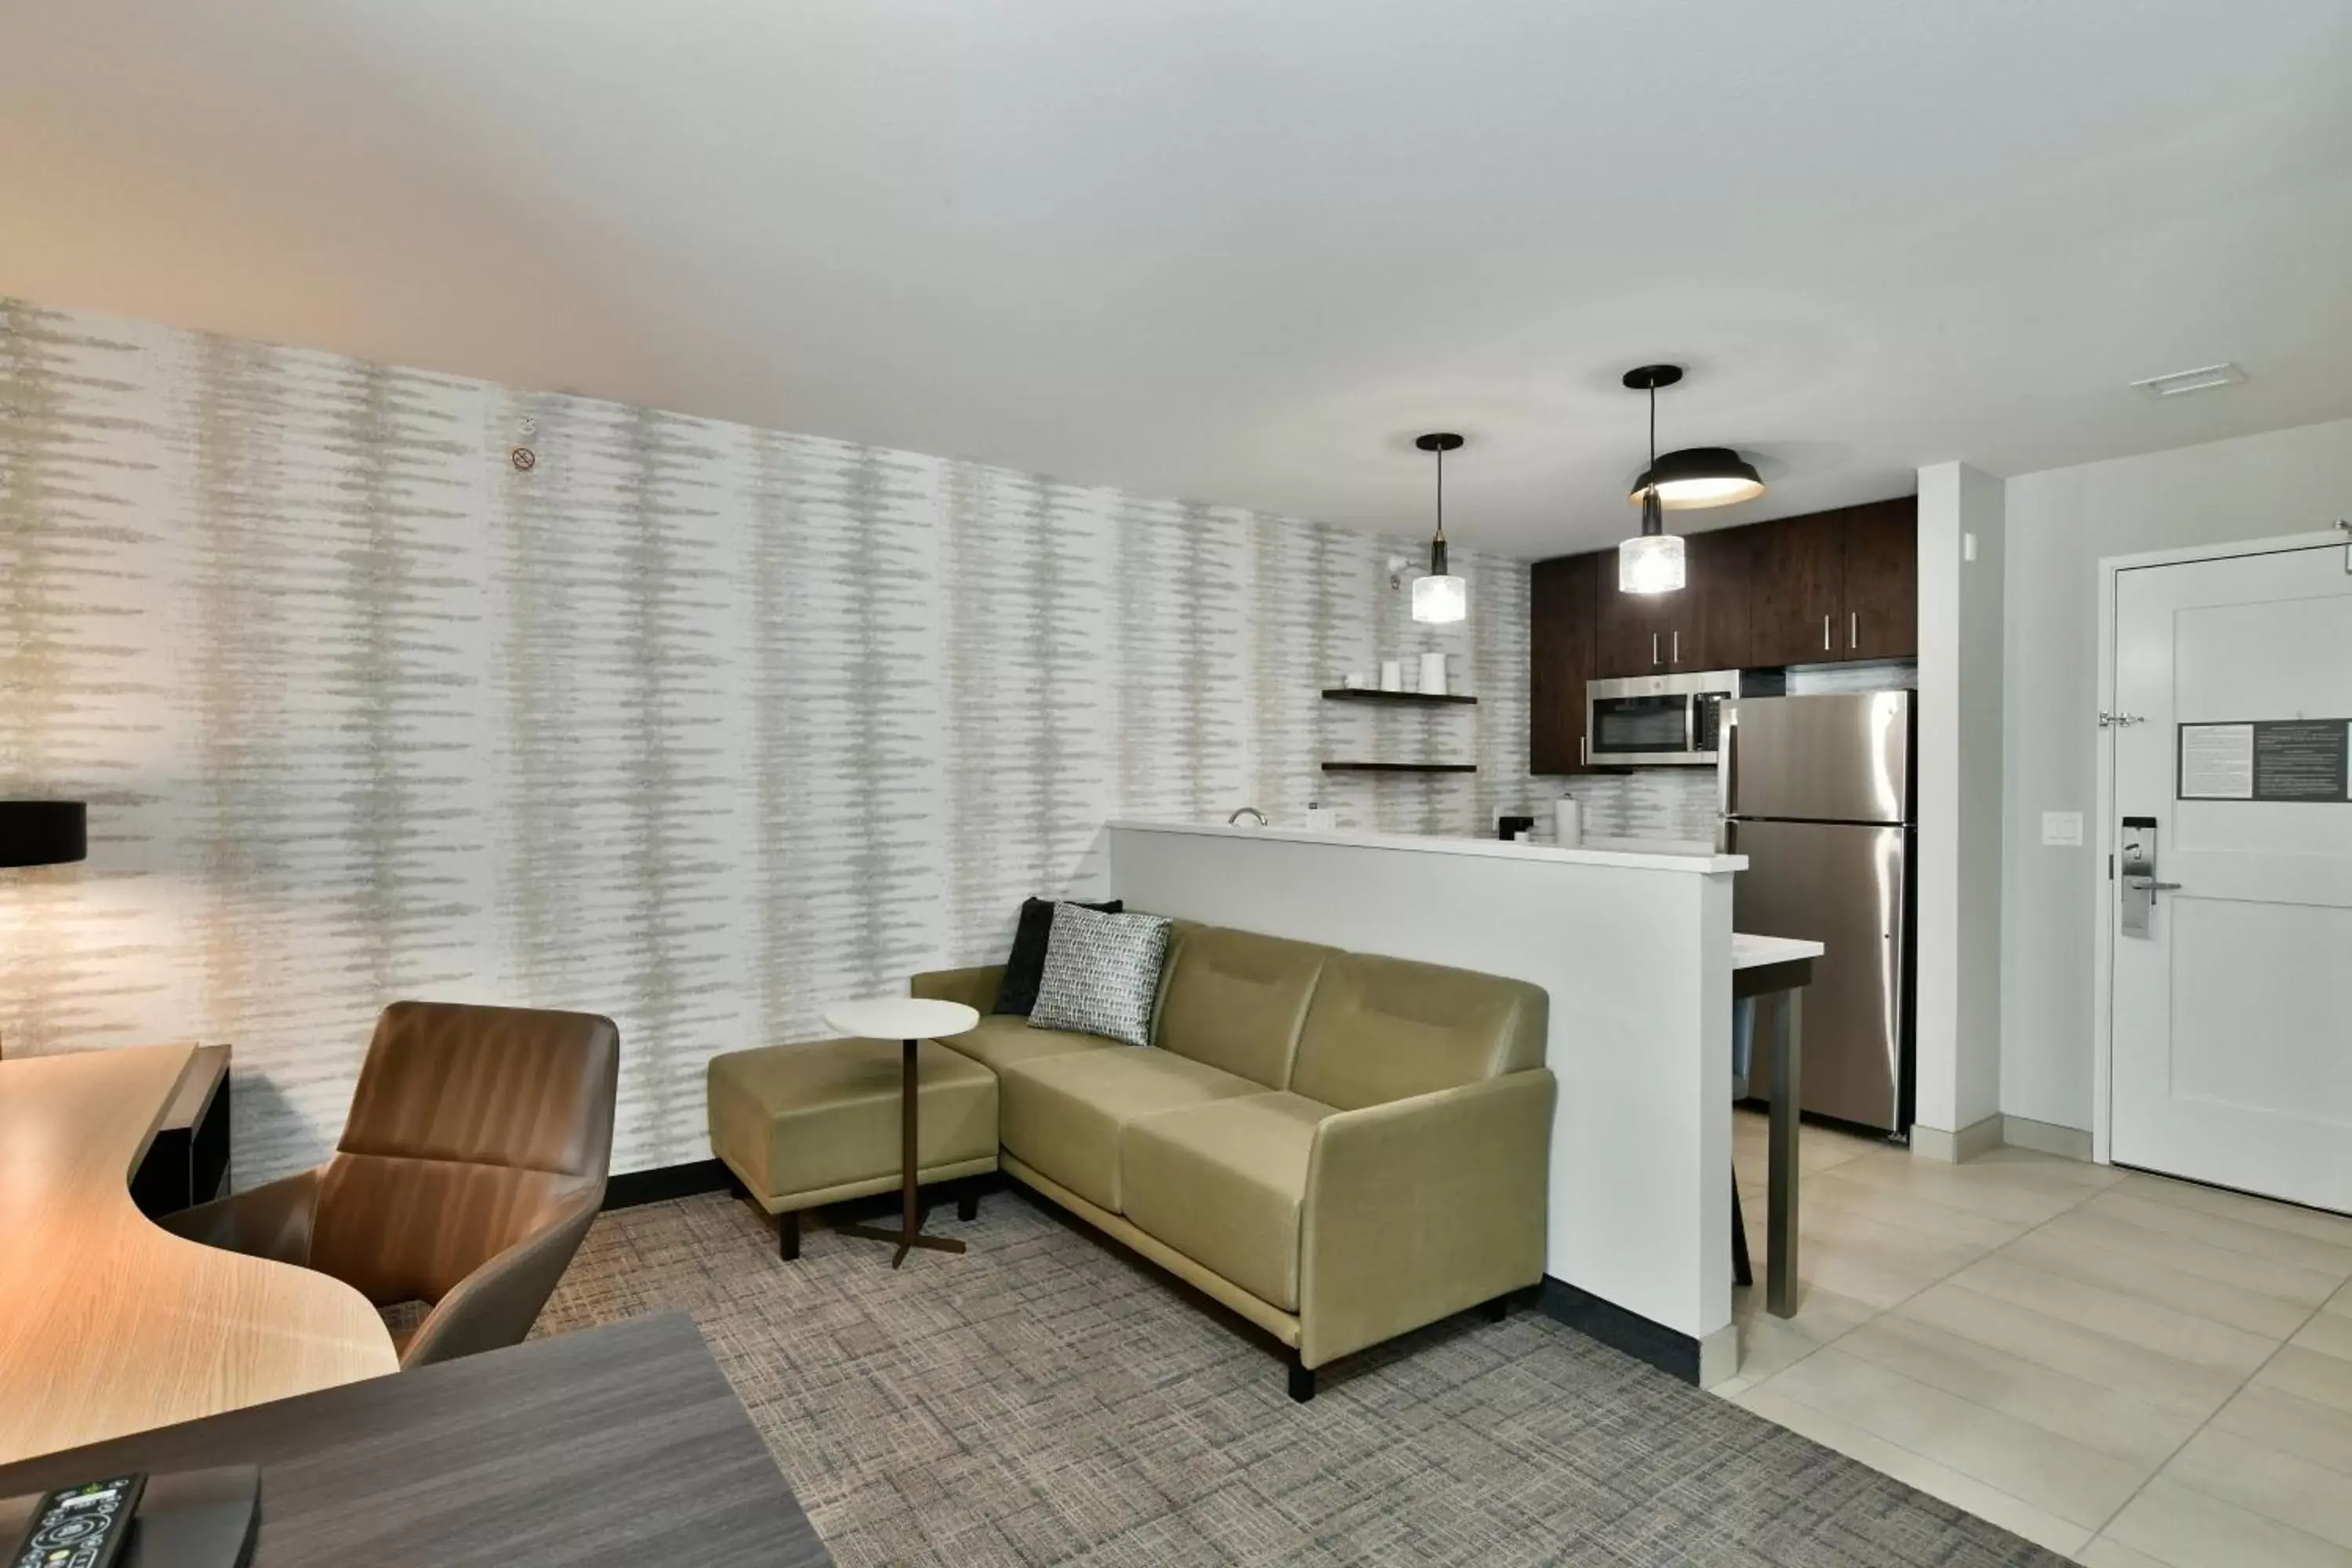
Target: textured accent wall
{"type": "Point", "coordinates": [699, 726]}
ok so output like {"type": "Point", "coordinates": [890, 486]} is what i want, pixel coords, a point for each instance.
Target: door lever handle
{"type": "Point", "coordinates": [2150, 885]}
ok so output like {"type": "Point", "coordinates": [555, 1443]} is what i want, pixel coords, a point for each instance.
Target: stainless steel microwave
{"type": "Point", "coordinates": [1654, 721]}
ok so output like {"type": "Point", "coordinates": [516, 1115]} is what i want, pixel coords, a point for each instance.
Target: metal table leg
{"type": "Point", "coordinates": [1780, 1266]}
{"type": "Point", "coordinates": [910, 1233]}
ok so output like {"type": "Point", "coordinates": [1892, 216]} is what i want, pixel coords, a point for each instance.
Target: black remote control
{"type": "Point", "coordinates": [83, 1526]}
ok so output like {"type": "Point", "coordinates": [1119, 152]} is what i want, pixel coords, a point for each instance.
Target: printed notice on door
{"type": "Point", "coordinates": [2302, 759]}
{"type": "Point", "coordinates": [2217, 762]}
{"type": "Point", "coordinates": [2270, 760]}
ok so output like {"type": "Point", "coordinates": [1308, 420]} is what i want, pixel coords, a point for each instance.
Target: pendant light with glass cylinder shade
{"type": "Point", "coordinates": [1439, 599]}
{"type": "Point", "coordinates": [1652, 561]}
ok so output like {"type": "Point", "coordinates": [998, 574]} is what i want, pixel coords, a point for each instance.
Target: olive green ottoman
{"type": "Point", "coordinates": [805, 1125]}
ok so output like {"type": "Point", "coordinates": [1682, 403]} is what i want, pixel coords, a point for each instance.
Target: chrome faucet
{"type": "Point", "coordinates": [1247, 811]}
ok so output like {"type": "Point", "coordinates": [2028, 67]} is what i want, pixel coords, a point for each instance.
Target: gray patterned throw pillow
{"type": "Point", "coordinates": [1102, 974]}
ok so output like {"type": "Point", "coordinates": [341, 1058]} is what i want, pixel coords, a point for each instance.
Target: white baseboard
{"type": "Point", "coordinates": [2046, 1137]}
{"type": "Point", "coordinates": [1952, 1147]}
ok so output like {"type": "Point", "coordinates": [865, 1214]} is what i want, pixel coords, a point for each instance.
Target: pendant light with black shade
{"type": "Point", "coordinates": [1685, 480]}
{"type": "Point", "coordinates": [1440, 599]}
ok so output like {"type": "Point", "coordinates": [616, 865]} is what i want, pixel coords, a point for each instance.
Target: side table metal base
{"type": "Point", "coordinates": [910, 1233]}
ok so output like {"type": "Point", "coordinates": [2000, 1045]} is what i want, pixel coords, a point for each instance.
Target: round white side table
{"type": "Point", "coordinates": [909, 1020]}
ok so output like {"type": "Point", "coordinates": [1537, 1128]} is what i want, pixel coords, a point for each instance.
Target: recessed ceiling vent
{"type": "Point", "coordinates": [2181, 383]}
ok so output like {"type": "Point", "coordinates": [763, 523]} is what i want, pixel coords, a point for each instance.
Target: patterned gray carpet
{"type": "Point", "coordinates": [1047, 1399]}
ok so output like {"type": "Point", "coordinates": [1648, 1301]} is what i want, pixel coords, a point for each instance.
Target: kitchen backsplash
{"type": "Point", "coordinates": [1646, 802]}
{"type": "Point", "coordinates": [1863, 675]}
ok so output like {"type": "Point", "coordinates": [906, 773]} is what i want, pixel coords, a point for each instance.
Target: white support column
{"type": "Point", "coordinates": [1959, 810]}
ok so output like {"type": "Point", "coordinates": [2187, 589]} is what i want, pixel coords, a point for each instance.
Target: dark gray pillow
{"type": "Point", "coordinates": [1018, 992]}
{"type": "Point", "coordinates": [1102, 974]}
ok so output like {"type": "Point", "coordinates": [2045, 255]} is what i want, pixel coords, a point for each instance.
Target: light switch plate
{"type": "Point", "coordinates": [2063, 827]}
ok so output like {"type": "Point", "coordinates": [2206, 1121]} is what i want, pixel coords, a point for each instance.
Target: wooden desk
{"type": "Point", "coordinates": [109, 1324]}
{"type": "Point", "coordinates": [187, 1160]}
{"type": "Point", "coordinates": [621, 1445]}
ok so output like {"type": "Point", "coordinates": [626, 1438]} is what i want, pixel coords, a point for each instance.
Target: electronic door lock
{"type": "Point", "coordinates": [2136, 857]}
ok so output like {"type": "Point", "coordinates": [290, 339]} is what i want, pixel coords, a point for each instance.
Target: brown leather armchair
{"type": "Point", "coordinates": [473, 1161]}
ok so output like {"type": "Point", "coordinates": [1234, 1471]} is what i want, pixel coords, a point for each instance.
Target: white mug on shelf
{"type": "Point", "coordinates": [1392, 675]}
{"type": "Point", "coordinates": [1433, 674]}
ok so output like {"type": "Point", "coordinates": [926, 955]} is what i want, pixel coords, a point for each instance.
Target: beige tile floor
{"type": "Point", "coordinates": [2127, 1370]}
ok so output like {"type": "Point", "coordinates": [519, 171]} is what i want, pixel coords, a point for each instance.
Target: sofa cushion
{"type": "Point", "coordinates": [1223, 1184]}
{"type": "Point", "coordinates": [1102, 974]}
{"type": "Point", "coordinates": [1025, 965]}
{"type": "Point", "coordinates": [1064, 1114]}
{"type": "Point", "coordinates": [1179, 932]}
{"type": "Point", "coordinates": [1236, 1000]}
{"type": "Point", "coordinates": [1001, 1039]}
{"type": "Point", "coordinates": [1384, 1028]}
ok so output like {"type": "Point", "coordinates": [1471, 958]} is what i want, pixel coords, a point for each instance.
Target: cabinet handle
{"type": "Point", "coordinates": [1653, 648]}
{"type": "Point", "coordinates": [1825, 634]}
{"type": "Point", "coordinates": [1854, 628]}
{"type": "Point", "coordinates": [1678, 646]}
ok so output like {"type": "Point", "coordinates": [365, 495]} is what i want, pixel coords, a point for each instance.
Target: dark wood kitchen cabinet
{"type": "Point", "coordinates": [1709, 628]}
{"type": "Point", "coordinates": [1882, 580]}
{"type": "Point", "coordinates": [1701, 626]}
{"type": "Point", "coordinates": [1795, 574]}
{"type": "Point", "coordinates": [1628, 629]}
{"type": "Point", "coordinates": [1563, 595]}
{"type": "Point", "coordinates": [1836, 585]}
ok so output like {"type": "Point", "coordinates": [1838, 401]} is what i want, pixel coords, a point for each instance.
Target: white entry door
{"type": "Point", "coordinates": [2232, 1009]}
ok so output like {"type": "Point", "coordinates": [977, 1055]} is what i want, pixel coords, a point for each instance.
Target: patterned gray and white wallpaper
{"type": "Point", "coordinates": [700, 726]}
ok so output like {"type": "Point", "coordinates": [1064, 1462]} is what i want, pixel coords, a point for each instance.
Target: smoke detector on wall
{"type": "Point", "coordinates": [2179, 382]}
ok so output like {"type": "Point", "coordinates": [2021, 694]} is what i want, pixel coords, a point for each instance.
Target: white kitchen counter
{"type": "Point", "coordinates": [1755, 952]}
{"type": "Point", "coordinates": [1632, 853]}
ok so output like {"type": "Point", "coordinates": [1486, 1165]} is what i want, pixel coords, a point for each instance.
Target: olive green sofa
{"type": "Point", "coordinates": [1339, 1147]}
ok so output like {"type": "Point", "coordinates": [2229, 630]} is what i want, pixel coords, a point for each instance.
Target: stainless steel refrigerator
{"type": "Point", "coordinates": [1817, 792]}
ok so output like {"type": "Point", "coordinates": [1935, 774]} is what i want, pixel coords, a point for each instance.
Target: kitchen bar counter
{"type": "Point", "coordinates": [1755, 952]}
{"type": "Point", "coordinates": [1618, 852]}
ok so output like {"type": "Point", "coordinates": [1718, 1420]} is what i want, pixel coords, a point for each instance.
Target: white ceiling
{"type": "Point", "coordinates": [1244, 250]}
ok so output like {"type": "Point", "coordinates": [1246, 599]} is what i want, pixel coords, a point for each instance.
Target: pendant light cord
{"type": "Point", "coordinates": [1652, 522]}
{"type": "Point", "coordinates": [1441, 495]}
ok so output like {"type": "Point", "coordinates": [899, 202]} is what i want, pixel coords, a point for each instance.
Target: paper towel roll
{"type": "Point", "coordinates": [1568, 822]}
